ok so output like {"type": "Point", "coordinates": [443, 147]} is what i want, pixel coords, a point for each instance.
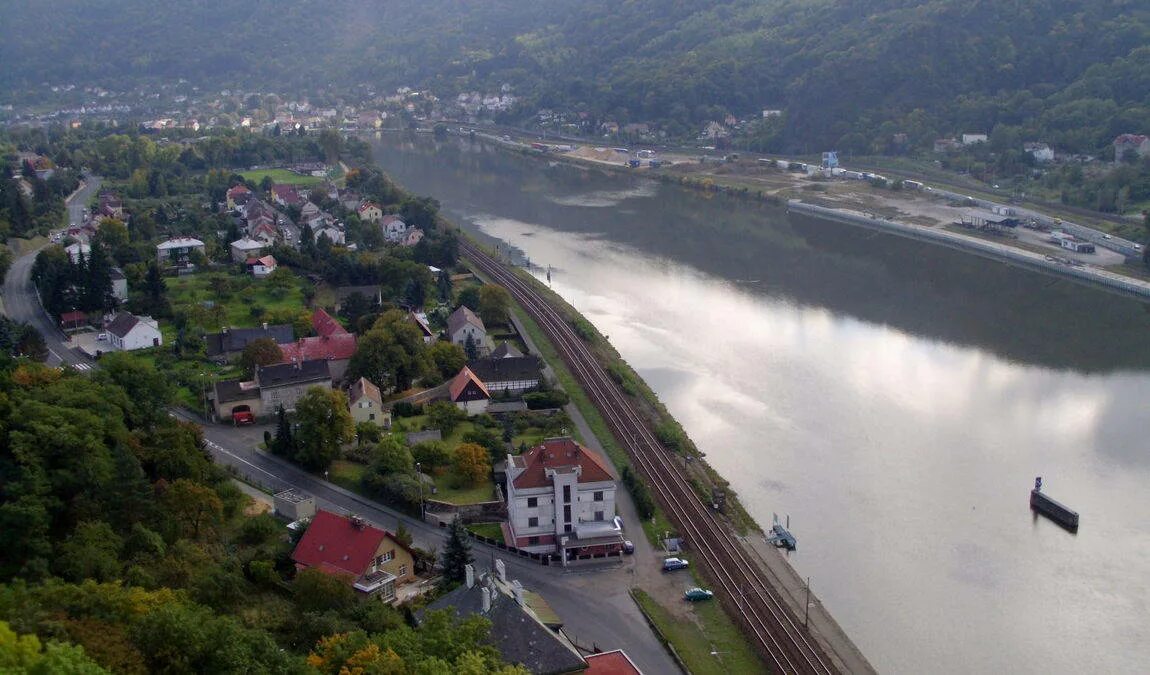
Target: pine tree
{"type": "Point", "coordinates": [283, 444]}
{"type": "Point", "coordinates": [456, 553]}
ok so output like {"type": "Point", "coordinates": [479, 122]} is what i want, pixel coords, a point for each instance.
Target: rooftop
{"type": "Point", "coordinates": [286, 374]}
{"type": "Point", "coordinates": [559, 454]}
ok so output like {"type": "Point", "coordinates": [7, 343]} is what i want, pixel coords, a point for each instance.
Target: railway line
{"type": "Point", "coordinates": [741, 585]}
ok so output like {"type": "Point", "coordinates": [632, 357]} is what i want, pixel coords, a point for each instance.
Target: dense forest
{"type": "Point", "coordinates": [1072, 73]}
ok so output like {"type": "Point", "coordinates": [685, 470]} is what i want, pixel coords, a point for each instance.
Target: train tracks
{"type": "Point", "coordinates": [740, 583]}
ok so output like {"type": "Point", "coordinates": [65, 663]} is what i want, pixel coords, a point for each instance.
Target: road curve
{"type": "Point", "coordinates": [741, 584]}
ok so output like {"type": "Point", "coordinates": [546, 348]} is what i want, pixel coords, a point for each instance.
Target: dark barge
{"type": "Point", "coordinates": [1059, 513]}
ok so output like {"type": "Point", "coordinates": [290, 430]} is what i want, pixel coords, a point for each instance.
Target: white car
{"type": "Point", "coordinates": [102, 336]}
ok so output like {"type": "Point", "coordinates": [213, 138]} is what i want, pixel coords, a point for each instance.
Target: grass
{"type": "Point", "coordinates": [236, 304]}
{"type": "Point", "coordinates": [280, 176]}
{"type": "Point", "coordinates": [347, 475]}
{"type": "Point", "coordinates": [445, 491]}
{"type": "Point", "coordinates": [21, 246]}
{"type": "Point", "coordinates": [489, 530]}
{"type": "Point", "coordinates": [695, 640]}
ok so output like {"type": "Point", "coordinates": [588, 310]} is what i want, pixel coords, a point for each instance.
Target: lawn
{"type": "Point", "coordinates": [467, 494]}
{"type": "Point", "coordinates": [244, 294]}
{"type": "Point", "coordinates": [489, 530]}
{"type": "Point", "coordinates": [280, 176]}
{"type": "Point", "coordinates": [709, 644]}
{"type": "Point", "coordinates": [347, 475]}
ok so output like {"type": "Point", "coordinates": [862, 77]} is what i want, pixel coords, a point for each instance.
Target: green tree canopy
{"type": "Point", "coordinates": [323, 425]}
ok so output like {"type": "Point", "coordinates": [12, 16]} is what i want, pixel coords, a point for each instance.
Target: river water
{"type": "Point", "coordinates": [895, 399]}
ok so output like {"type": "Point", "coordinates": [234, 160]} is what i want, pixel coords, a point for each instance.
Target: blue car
{"type": "Point", "coordinates": [672, 564]}
{"type": "Point", "coordinates": [696, 594]}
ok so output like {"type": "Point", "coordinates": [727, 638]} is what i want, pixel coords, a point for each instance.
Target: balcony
{"type": "Point", "coordinates": [380, 582]}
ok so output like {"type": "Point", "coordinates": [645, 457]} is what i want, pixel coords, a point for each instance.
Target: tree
{"type": "Point", "coordinates": [316, 591]}
{"type": "Point", "coordinates": [494, 304]}
{"type": "Point", "coordinates": [472, 463]}
{"type": "Point", "coordinates": [284, 443]}
{"type": "Point", "coordinates": [471, 348]}
{"type": "Point", "coordinates": [391, 352]}
{"type": "Point", "coordinates": [149, 391]}
{"type": "Point", "coordinates": [443, 285]}
{"type": "Point", "coordinates": [447, 357]}
{"type": "Point", "coordinates": [91, 552]}
{"type": "Point", "coordinates": [367, 433]}
{"type": "Point", "coordinates": [445, 416]}
{"type": "Point", "coordinates": [456, 553]}
{"type": "Point", "coordinates": [469, 297]}
{"type": "Point", "coordinates": [393, 456]}
{"type": "Point", "coordinates": [323, 424]}
{"type": "Point", "coordinates": [260, 352]}
{"type": "Point", "coordinates": [194, 509]}
{"type": "Point", "coordinates": [431, 454]}
{"type": "Point", "coordinates": [26, 655]}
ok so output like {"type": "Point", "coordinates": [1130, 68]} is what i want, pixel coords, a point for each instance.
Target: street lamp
{"type": "Point", "coordinates": [419, 478]}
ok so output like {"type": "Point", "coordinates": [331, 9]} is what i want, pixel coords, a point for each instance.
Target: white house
{"type": "Point", "coordinates": [119, 284]}
{"type": "Point", "coordinates": [77, 251]}
{"type": "Point", "coordinates": [1040, 151]}
{"type": "Point", "coordinates": [464, 323]}
{"type": "Point", "coordinates": [127, 332]}
{"type": "Point", "coordinates": [971, 139]}
{"type": "Point", "coordinates": [366, 403]}
{"type": "Point", "coordinates": [468, 392]}
{"type": "Point", "coordinates": [177, 251]}
{"type": "Point", "coordinates": [262, 267]}
{"type": "Point", "coordinates": [393, 228]}
{"type": "Point", "coordinates": [245, 248]}
{"type": "Point", "coordinates": [333, 235]}
{"type": "Point", "coordinates": [561, 496]}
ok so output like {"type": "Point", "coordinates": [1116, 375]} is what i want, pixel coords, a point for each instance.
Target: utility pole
{"type": "Point", "coordinates": [422, 509]}
{"type": "Point", "coordinates": [807, 618]}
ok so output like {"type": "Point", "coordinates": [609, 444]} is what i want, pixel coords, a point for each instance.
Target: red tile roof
{"type": "Point", "coordinates": [238, 190]}
{"type": "Point", "coordinates": [337, 545]}
{"type": "Point", "coordinates": [325, 325]}
{"type": "Point", "coordinates": [459, 383]}
{"type": "Point", "coordinates": [611, 663]}
{"type": "Point", "coordinates": [338, 346]}
{"type": "Point", "coordinates": [558, 453]}
{"type": "Point", "coordinates": [361, 388]}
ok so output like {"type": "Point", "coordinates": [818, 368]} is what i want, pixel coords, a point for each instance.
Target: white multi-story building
{"type": "Point", "coordinates": [561, 497]}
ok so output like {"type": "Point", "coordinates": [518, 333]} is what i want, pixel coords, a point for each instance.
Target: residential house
{"type": "Point", "coordinates": [263, 230]}
{"type": "Point", "coordinates": [370, 212]}
{"type": "Point", "coordinates": [561, 497]}
{"type": "Point", "coordinates": [274, 386]}
{"type": "Point", "coordinates": [119, 284]}
{"type": "Point", "coordinates": [373, 295]}
{"type": "Point", "coordinates": [238, 197]}
{"type": "Point", "coordinates": [311, 214]}
{"type": "Point", "coordinates": [412, 237]}
{"type": "Point", "coordinates": [349, 199]}
{"type": "Point", "coordinates": [127, 332]}
{"type": "Point", "coordinates": [110, 206]}
{"type": "Point", "coordinates": [943, 145]}
{"type": "Point", "coordinates": [506, 350]}
{"type": "Point", "coordinates": [261, 267]}
{"type": "Point", "coordinates": [464, 323]}
{"type": "Point", "coordinates": [1127, 143]}
{"type": "Point", "coordinates": [336, 350]}
{"type": "Point", "coordinates": [420, 321]}
{"type": "Point", "coordinates": [510, 375]}
{"type": "Point", "coordinates": [1040, 151]}
{"type": "Point", "coordinates": [334, 235]}
{"type": "Point", "coordinates": [78, 251]}
{"type": "Point", "coordinates": [468, 392]}
{"type": "Point", "coordinates": [393, 228]}
{"type": "Point", "coordinates": [177, 252]}
{"type": "Point", "coordinates": [519, 630]}
{"type": "Point", "coordinates": [325, 325]}
{"type": "Point", "coordinates": [243, 249]}
{"type": "Point", "coordinates": [230, 342]}
{"type": "Point", "coordinates": [370, 559]}
{"type": "Point", "coordinates": [366, 403]}
{"type": "Point", "coordinates": [286, 195]}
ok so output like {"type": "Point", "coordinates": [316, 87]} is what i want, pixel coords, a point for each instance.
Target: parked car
{"type": "Point", "coordinates": [696, 594]}
{"type": "Point", "coordinates": [102, 336]}
{"type": "Point", "coordinates": [628, 546]}
{"type": "Point", "coordinates": [672, 564]}
{"type": "Point", "coordinates": [242, 418]}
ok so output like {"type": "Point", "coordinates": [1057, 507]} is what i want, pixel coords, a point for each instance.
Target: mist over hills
{"type": "Point", "coordinates": [848, 72]}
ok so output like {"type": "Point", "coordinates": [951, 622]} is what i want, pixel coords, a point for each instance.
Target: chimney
{"type": "Point", "coordinates": [486, 595]}
{"type": "Point", "coordinates": [470, 572]}
{"type": "Point", "coordinates": [501, 570]}
{"type": "Point", "coordinates": [517, 588]}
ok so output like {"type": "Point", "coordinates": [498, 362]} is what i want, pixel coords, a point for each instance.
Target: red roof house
{"type": "Point", "coordinates": [325, 325]}
{"type": "Point", "coordinates": [615, 662]}
{"type": "Point", "coordinates": [468, 392]}
{"type": "Point", "coordinates": [336, 349]}
{"type": "Point", "coordinates": [349, 547]}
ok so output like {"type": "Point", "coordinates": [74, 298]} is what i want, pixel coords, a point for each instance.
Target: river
{"type": "Point", "coordinates": [895, 399]}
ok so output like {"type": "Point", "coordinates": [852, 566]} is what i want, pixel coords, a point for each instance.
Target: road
{"type": "Point", "coordinates": [594, 602]}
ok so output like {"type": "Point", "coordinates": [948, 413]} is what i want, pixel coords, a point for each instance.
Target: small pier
{"type": "Point", "coordinates": [1059, 513]}
{"type": "Point", "coordinates": [781, 536]}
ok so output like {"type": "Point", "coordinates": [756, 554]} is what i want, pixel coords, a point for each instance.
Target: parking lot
{"type": "Point", "coordinates": [89, 344]}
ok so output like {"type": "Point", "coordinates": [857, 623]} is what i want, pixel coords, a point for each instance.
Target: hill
{"type": "Point", "coordinates": [849, 73]}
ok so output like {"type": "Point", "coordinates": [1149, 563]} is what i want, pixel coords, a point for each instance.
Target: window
{"type": "Point", "coordinates": [598, 515]}
{"type": "Point", "coordinates": [533, 522]}
{"type": "Point", "coordinates": [371, 417]}
{"type": "Point", "coordinates": [532, 502]}
{"type": "Point", "coordinates": [386, 557]}
{"type": "Point", "coordinates": [567, 493]}
{"type": "Point", "coordinates": [567, 513]}
{"type": "Point", "coordinates": [532, 541]}
{"type": "Point", "coordinates": [599, 496]}
{"type": "Point", "coordinates": [567, 527]}
{"type": "Point", "coordinates": [403, 570]}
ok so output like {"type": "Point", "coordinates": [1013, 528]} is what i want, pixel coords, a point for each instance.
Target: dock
{"type": "Point", "coordinates": [781, 536]}
{"type": "Point", "coordinates": [1052, 509]}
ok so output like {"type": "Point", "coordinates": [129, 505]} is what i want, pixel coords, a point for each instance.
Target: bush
{"type": "Point", "coordinates": [543, 400]}
{"type": "Point", "coordinates": [644, 504]}
{"type": "Point", "coordinates": [405, 409]}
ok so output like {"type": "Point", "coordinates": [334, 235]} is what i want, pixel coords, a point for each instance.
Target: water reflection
{"type": "Point", "coordinates": [895, 399]}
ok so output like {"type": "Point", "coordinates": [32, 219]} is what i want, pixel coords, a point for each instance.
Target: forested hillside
{"type": "Point", "coordinates": [849, 73]}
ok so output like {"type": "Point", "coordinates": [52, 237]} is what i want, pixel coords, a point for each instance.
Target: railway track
{"type": "Point", "coordinates": [740, 583]}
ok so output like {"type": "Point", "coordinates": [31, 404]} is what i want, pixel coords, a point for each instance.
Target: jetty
{"type": "Point", "coordinates": [1059, 513]}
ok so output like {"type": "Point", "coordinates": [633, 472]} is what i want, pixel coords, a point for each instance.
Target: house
{"type": "Point", "coordinates": [243, 249]}
{"type": "Point", "coordinates": [127, 332]}
{"type": "Point", "coordinates": [518, 630]}
{"type": "Point", "coordinates": [349, 199]}
{"type": "Point", "coordinates": [1040, 151]}
{"type": "Point", "coordinates": [372, 560]}
{"type": "Point", "coordinates": [177, 252]}
{"type": "Point", "coordinates": [942, 145]}
{"type": "Point", "coordinates": [468, 392]}
{"type": "Point", "coordinates": [412, 237]}
{"type": "Point", "coordinates": [366, 403]}
{"type": "Point", "coordinates": [73, 319]}
{"type": "Point", "coordinates": [420, 321]}
{"type": "Point", "coordinates": [78, 251]}
{"type": "Point", "coordinates": [561, 497]}
{"type": "Point", "coordinates": [336, 350]}
{"type": "Point", "coordinates": [261, 267]}
{"type": "Point", "coordinates": [274, 386]}
{"type": "Point", "coordinates": [264, 231]}
{"type": "Point", "coordinates": [370, 212]}
{"type": "Point", "coordinates": [325, 325]}
{"type": "Point", "coordinates": [119, 284]}
{"type": "Point", "coordinates": [506, 350]}
{"type": "Point", "coordinates": [971, 139]}
{"type": "Point", "coordinates": [286, 195]}
{"type": "Point", "coordinates": [511, 375]}
{"type": "Point", "coordinates": [392, 227]}
{"type": "Point", "coordinates": [373, 295]}
{"type": "Point", "coordinates": [238, 196]}
{"type": "Point", "coordinates": [309, 212]}
{"type": "Point", "coordinates": [464, 323]}
{"type": "Point", "coordinates": [230, 342]}
{"type": "Point", "coordinates": [335, 236]}
{"type": "Point", "coordinates": [110, 206]}
{"type": "Point", "coordinates": [1127, 143]}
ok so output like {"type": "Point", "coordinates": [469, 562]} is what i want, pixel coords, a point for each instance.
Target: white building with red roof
{"type": "Point", "coordinates": [370, 559]}
{"type": "Point", "coordinates": [561, 496]}
{"type": "Point", "coordinates": [468, 392]}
